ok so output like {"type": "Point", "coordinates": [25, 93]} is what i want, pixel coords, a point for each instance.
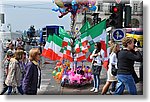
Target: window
{"type": "Point", "coordinates": [100, 6]}
{"type": "Point", "coordinates": [135, 7]}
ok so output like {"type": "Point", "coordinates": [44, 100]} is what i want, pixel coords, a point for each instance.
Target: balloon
{"type": "Point", "coordinates": [92, 2]}
{"type": "Point", "coordinates": [54, 73]}
{"type": "Point", "coordinates": [57, 74]}
{"type": "Point", "coordinates": [59, 3]}
{"type": "Point", "coordinates": [62, 10]}
{"type": "Point", "coordinates": [84, 69]}
{"type": "Point", "coordinates": [89, 70]}
{"type": "Point", "coordinates": [82, 1]}
{"type": "Point", "coordinates": [59, 69]}
{"type": "Point", "coordinates": [55, 9]}
{"type": "Point", "coordinates": [74, 2]}
{"type": "Point", "coordinates": [74, 6]}
{"type": "Point", "coordinates": [93, 8]}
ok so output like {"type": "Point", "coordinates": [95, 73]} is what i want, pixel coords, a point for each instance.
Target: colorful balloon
{"type": "Point", "coordinates": [74, 6]}
{"type": "Point", "coordinates": [92, 2]}
{"type": "Point", "coordinates": [93, 8]}
{"type": "Point", "coordinates": [89, 71]}
{"type": "Point", "coordinates": [59, 69]}
{"type": "Point", "coordinates": [59, 3]}
{"type": "Point", "coordinates": [54, 72]}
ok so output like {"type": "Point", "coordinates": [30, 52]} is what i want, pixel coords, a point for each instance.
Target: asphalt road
{"type": "Point", "coordinates": [51, 87]}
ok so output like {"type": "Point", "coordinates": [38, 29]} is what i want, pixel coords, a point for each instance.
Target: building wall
{"type": "Point", "coordinates": [104, 9]}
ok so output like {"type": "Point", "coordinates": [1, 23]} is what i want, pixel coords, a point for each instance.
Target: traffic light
{"type": "Point", "coordinates": [127, 23]}
{"type": "Point", "coordinates": [116, 18]}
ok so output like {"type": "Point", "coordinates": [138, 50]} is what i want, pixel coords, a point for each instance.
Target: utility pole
{"type": "Point", "coordinates": [85, 17]}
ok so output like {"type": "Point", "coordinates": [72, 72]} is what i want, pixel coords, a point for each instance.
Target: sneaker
{"type": "Point", "coordinates": [93, 89]}
{"type": "Point", "coordinates": [111, 92]}
{"type": "Point", "coordinates": [96, 90]}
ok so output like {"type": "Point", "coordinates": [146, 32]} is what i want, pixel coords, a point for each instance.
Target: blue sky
{"type": "Point", "coordinates": [32, 12]}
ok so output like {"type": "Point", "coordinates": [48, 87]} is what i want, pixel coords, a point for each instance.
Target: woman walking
{"type": "Point", "coordinates": [125, 65]}
{"type": "Point", "coordinates": [14, 73]}
{"type": "Point", "coordinates": [112, 61]}
{"type": "Point", "coordinates": [32, 78]}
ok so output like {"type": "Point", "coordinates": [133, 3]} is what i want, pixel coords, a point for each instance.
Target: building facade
{"type": "Point", "coordinates": [103, 8]}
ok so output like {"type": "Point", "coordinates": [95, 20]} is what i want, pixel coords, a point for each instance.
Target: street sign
{"type": "Point", "coordinates": [118, 34]}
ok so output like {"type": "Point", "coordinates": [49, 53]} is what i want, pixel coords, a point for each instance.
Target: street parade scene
{"type": "Point", "coordinates": [99, 53]}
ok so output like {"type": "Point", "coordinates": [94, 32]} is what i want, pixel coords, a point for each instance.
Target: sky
{"type": "Point", "coordinates": [31, 12]}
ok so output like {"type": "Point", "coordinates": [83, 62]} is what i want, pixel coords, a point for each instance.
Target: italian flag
{"type": "Point", "coordinates": [81, 43]}
{"type": "Point", "coordinates": [65, 36]}
{"type": "Point", "coordinates": [77, 46]}
{"type": "Point", "coordinates": [67, 56]}
{"type": "Point", "coordinates": [53, 47]}
{"type": "Point", "coordinates": [85, 27]}
{"type": "Point", "coordinates": [80, 57]}
{"type": "Point", "coordinates": [95, 34]}
{"type": "Point", "coordinates": [66, 44]}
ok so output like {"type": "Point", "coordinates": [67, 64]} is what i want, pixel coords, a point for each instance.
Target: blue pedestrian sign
{"type": "Point", "coordinates": [118, 34]}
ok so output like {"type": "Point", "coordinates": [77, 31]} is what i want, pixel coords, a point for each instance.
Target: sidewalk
{"type": "Point", "coordinates": [51, 87]}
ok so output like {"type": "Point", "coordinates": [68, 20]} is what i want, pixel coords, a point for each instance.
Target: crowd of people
{"type": "Point", "coordinates": [120, 59]}
{"type": "Point", "coordinates": [21, 68]}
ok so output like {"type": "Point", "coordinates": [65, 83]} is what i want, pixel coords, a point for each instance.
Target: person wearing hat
{"type": "Point", "coordinates": [9, 55]}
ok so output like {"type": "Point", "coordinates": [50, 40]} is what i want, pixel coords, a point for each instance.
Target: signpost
{"type": "Point", "coordinates": [118, 34]}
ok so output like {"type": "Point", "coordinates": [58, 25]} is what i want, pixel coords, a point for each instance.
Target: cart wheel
{"type": "Point", "coordinates": [62, 84]}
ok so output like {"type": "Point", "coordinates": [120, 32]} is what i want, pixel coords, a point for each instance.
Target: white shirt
{"type": "Point", "coordinates": [113, 59]}
{"type": "Point", "coordinates": [98, 58]}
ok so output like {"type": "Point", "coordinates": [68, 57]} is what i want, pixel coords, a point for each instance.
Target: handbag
{"type": "Point", "coordinates": [114, 70]}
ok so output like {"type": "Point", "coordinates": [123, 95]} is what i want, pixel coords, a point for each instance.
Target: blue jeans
{"type": "Point", "coordinates": [19, 90]}
{"type": "Point", "coordinates": [96, 78]}
{"type": "Point", "coordinates": [96, 81]}
{"type": "Point", "coordinates": [125, 81]}
{"type": "Point", "coordinates": [113, 85]}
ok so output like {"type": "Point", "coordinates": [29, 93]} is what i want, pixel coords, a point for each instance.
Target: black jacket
{"type": "Point", "coordinates": [31, 81]}
{"type": "Point", "coordinates": [126, 60]}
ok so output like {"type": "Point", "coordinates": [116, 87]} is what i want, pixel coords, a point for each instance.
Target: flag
{"type": "Point", "coordinates": [95, 34]}
{"type": "Point", "coordinates": [57, 45]}
{"type": "Point", "coordinates": [65, 36]}
{"type": "Point", "coordinates": [85, 27]}
{"type": "Point", "coordinates": [66, 45]}
{"type": "Point", "coordinates": [46, 51]}
{"type": "Point", "coordinates": [66, 55]}
{"type": "Point", "coordinates": [77, 46]}
{"type": "Point", "coordinates": [98, 33]}
{"type": "Point", "coordinates": [80, 57]}
{"type": "Point", "coordinates": [53, 47]}
{"type": "Point", "coordinates": [81, 43]}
